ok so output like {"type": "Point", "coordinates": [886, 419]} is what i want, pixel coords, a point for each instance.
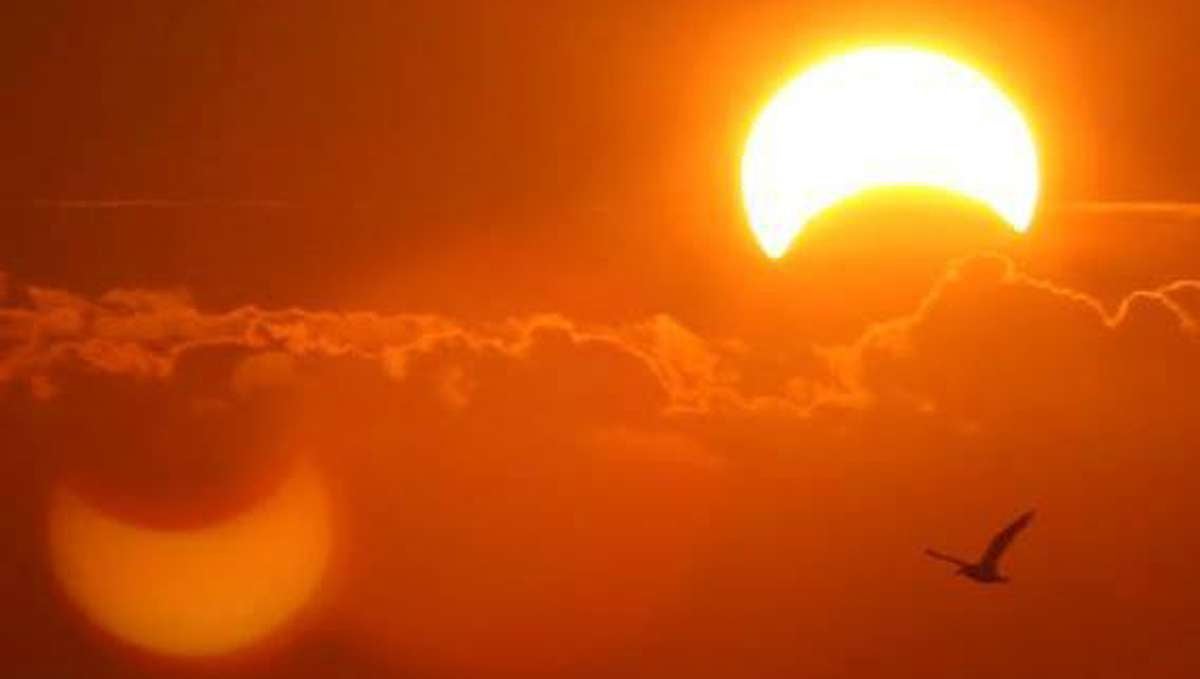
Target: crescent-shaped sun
{"type": "Point", "coordinates": [203, 592]}
{"type": "Point", "coordinates": [885, 117]}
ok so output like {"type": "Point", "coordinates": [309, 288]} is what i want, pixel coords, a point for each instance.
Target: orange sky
{"type": "Point", "coordinates": [486, 266]}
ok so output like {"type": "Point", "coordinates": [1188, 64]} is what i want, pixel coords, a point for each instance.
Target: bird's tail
{"type": "Point", "coordinates": [946, 557]}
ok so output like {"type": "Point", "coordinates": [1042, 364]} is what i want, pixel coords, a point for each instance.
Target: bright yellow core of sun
{"type": "Point", "coordinates": [885, 117]}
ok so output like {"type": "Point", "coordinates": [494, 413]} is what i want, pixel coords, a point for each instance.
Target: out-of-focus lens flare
{"type": "Point", "coordinates": [204, 592]}
{"type": "Point", "coordinates": [887, 116]}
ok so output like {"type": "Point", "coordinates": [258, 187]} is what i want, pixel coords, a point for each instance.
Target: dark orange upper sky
{"type": "Point", "coordinates": [486, 265]}
{"type": "Point", "coordinates": [395, 128]}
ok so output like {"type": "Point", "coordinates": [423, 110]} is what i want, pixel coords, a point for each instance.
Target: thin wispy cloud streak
{"type": "Point", "coordinates": [1176, 209]}
{"type": "Point", "coordinates": [155, 204]}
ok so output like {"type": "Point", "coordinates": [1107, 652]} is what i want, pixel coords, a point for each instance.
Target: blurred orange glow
{"type": "Point", "coordinates": [622, 343]}
{"type": "Point", "coordinates": [194, 592]}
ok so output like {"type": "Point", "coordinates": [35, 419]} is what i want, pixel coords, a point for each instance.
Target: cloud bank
{"type": "Point", "coordinates": [541, 492]}
{"type": "Point", "coordinates": [145, 333]}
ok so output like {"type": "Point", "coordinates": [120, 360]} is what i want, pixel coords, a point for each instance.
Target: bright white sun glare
{"type": "Point", "coordinates": [879, 117]}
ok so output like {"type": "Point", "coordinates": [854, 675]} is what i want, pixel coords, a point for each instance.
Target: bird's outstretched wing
{"type": "Point", "coordinates": [946, 557]}
{"type": "Point", "coordinates": [1000, 543]}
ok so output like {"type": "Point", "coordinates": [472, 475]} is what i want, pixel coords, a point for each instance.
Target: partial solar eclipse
{"type": "Point", "coordinates": [194, 593]}
{"type": "Point", "coordinates": [885, 117]}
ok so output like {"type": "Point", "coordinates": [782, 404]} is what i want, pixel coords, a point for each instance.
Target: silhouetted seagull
{"type": "Point", "coordinates": [985, 571]}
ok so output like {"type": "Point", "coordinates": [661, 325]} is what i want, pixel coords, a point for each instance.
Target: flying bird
{"type": "Point", "coordinates": [985, 571]}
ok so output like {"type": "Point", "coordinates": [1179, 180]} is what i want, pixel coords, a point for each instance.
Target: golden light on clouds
{"type": "Point", "coordinates": [885, 117]}
{"type": "Point", "coordinates": [591, 340]}
{"type": "Point", "coordinates": [194, 593]}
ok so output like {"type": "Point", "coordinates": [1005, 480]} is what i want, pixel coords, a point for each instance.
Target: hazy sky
{"type": "Point", "coordinates": [486, 265]}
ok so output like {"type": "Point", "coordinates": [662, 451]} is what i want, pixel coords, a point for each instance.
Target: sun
{"type": "Point", "coordinates": [885, 117]}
